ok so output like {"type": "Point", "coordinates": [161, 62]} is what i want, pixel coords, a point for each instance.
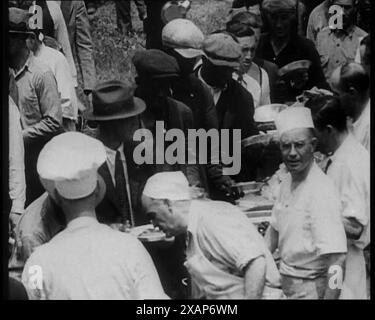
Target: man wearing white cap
{"type": "Point", "coordinates": [306, 224]}
{"type": "Point", "coordinates": [225, 255]}
{"type": "Point", "coordinates": [87, 260]}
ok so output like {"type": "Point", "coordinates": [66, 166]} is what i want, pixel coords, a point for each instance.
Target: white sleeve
{"type": "Point", "coordinates": [17, 183]}
{"type": "Point", "coordinates": [66, 88]}
{"type": "Point", "coordinates": [147, 282]}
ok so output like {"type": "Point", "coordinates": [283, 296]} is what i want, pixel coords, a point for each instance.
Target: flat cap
{"type": "Point", "coordinates": [300, 65]}
{"type": "Point", "coordinates": [19, 21]}
{"type": "Point", "coordinates": [184, 37]}
{"type": "Point", "coordinates": [222, 50]}
{"type": "Point", "coordinates": [155, 64]}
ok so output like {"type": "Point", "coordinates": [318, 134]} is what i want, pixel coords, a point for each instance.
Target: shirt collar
{"type": "Point", "coordinates": [82, 222]}
{"type": "Point", "coordinates": [112, 153]}
{"type": "Point", "coordinates": [347, 32]}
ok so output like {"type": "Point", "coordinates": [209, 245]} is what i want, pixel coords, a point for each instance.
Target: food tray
{"type": "Point", "coordinates": [148, 233]}
{"type": "Point", "coordinates": [249, 187]}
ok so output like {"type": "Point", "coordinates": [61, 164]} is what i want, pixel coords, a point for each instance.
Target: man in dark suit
{"type": "Point", "coordinates": [116, 112]}
{"type": "Point", "coordinates": [77, 22]}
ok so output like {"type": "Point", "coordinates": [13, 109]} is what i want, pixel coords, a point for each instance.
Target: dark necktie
{"type": "Point", "coordinates": [121, 188]}
{"type": "Point", "coordinates": [329, 162]}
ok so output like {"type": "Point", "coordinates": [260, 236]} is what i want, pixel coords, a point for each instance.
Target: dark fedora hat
{"type": "Point", "coordinates": [113, 100]}
{"type": "Point", "coordinates": [19, 21]}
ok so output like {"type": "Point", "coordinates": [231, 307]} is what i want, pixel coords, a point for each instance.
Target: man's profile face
{"type": "Point", "coordinates": [161, 216]}
{"type": "Point", "coordinates": [297, 149]}
{"type": "Point", "coordinates": [16, 44]}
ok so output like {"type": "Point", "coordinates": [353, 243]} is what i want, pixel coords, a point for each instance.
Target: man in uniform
{"type": "Point", "coordinates": [306, 224]}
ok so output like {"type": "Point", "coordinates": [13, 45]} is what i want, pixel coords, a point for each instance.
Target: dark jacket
{"type": "Point", "coordinates": [235, 110]}
{"type": "Point", "coordinates": [298, 48]}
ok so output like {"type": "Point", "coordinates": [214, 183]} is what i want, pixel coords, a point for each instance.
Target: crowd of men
{"type": "Point", "coordinates": [73, 196]}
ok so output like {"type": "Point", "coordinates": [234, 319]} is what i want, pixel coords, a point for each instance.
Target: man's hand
{"type": "Point", "coordinates": [255, 278]}
{"type": "Point", "coordinates": [353, 228]}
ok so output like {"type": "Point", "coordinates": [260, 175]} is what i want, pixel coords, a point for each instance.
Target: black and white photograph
{"type": "Point", "coordinates": [189, 150]}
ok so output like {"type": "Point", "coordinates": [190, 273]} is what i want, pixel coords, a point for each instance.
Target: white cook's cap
{"type": "Point", "coordinates": [293, 118]}
{"type": "Point", "coordinates": [71, 161]}
{"type": "Point", "coordinates": [168, 185]}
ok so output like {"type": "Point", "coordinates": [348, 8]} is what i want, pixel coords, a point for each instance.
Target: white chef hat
{"type": "Point", "coordinates": [293, 118]}
{"type": "Point", "coordinates": [70, 161]}
{"type": "Point", "coordinates": [168, 185]}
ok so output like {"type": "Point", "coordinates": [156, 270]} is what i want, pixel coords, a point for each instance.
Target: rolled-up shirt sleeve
{"type": "Point", "coordinates": [17, 183]}
{"type": "Point", "coordinates": [232, 250]}
{"type": "Point", "coordinates": [66, 89]}
{"type": "Point", "coordinates": [50, 108]}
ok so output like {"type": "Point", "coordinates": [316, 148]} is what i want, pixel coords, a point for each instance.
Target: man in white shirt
{"type": "Point", "coordinates": [349, 169]}
{"type": "Point", "coordinates": [306, 224]}
{"type": "Point", "coordinates": [87, 260]}
{"type": "Point", "coordinates": [352, 84]}
{"type": "Point", "coordinates": [59, 66]}
{"type": "Point", "coordinates": [17, 183]}
{"type": "Point", "coordinates": [225, 255]}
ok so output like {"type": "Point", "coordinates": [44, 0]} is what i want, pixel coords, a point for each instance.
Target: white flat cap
{"type": "Point", "coordinates": [184, 37]}
{"type": "Point", "coordinates": [168, 185]}
{"type": "Point", "coordinates": [71, 160]}
{"type": "Point", "coordinates": [293, 118]}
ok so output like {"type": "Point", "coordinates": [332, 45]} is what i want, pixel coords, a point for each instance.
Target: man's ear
{"type": "Point", "coordinates": [314, 143]}
{"type": "Point", "coordinates": [353, 92]}
{"type": "Point", "coordinates": [168, 203]}
{"type": "Point", "coordinates": [329, 129]}
{"type": "Point", "coordinates": [57, 198]}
